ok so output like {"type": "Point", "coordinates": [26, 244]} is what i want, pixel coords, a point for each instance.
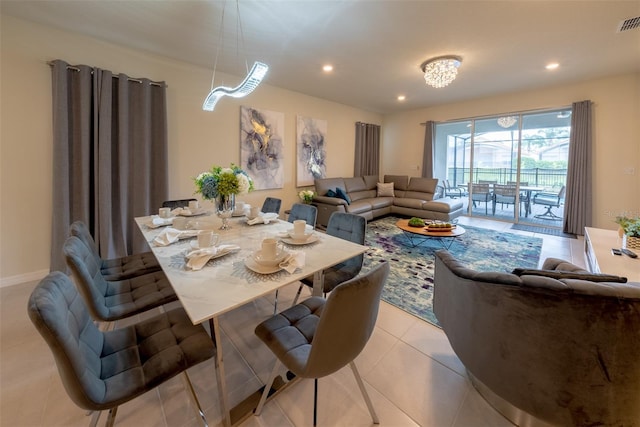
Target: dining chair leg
{"type": "Point", "coordinates": [363, 390]}
{"type": "Point", "coordinates": [267, 387]}
{"type": "Point", "coordinates": [194, 397]}
{"type": "Point", "coordinates": [95, 416]}
{"type": "Point", "coordinates": [295, 300]}
{"type": "Point", "coordinates": [111, 419]}
{"type": "Point", "coordinates": [315, 401]}
{"type": "Point", "coordinates": [275, 304]}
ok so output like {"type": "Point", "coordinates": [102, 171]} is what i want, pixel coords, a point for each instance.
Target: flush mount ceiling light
{"type": "Point", "coordinates": [440, 71]}
{"type": "Point", "coordinates": [507, 121]}
{"type": "Point", "coordinates": [248, 85]}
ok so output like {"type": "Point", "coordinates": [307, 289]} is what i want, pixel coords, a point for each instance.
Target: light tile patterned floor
{"type": "Point", "coordinates": [409, 368]}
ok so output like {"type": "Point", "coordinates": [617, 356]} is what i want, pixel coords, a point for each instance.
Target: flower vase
{"type": "Point", "coordinates": [225, 205]}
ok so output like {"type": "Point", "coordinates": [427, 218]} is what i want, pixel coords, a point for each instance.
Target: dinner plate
{"type": "Point", "coordinates": [261, 269]}
{"type": "Point", "coordinates": [290, 241]}
{"type": "Point", "coordinates": [199, 212]}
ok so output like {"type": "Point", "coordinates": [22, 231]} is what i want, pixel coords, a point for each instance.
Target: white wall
{"type": "Point", "coordinates": [616, 136]}
{"type": "Point", "coordinates": [197, 139]}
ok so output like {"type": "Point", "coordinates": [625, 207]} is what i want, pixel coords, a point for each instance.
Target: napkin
{"type": "Point", "coordinates": [198, 258]}
{"type": "Point", "coordinates": [294, 260]}
{"type": "Point", "coordinates": [263, 219]}
{"type": "Point", "coordinates": [171, 235]}
{"type": "Point", "coordinates": [156, 222]}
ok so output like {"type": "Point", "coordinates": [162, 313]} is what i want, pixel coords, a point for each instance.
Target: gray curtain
{"type": "Point", "coordinates": [577, 207]}
{"type": "Point", "coordinates": [109, 156]}
{"type": "Point", "coordinates": [367, 156]}
{"type": "Point", "coordinates": [427, 157]}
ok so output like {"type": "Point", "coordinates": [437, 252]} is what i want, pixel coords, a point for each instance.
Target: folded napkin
{"type": "Point", "coordinates": [294, 260]}
{"type": "Point", "coordinates": [198, 258]}
{"type": "Point", "coordinates": [171, 235]}
{"type": "Point", "coordinates": [156, 222]}
{"type": "Point", "coordinates": [263, 219]}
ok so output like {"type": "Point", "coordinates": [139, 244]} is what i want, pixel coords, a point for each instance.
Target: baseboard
{"type": "Point", "coordinates": [22, 278]}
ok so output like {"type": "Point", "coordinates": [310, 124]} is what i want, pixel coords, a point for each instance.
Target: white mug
{"type": "Point", "coordinates": [239, 206]}
{"type": "Point", "coordinates": [206, 239]}
{"type": "Point", "coordinates": [254, 212]}
{"type": "Point", "coordinates": [299, 227]}
{"type": "Point", "coordinates": [269, 248]}
{"type": "Point", "coordinates": [164, 212]}
{"type": "Point", "coordinates": [193, 205]}
{"type": "Point", "coordinates": [180, 223]}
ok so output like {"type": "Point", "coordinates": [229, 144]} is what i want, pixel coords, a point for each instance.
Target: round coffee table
{"type": "Point", "coordinates": [419, 235]}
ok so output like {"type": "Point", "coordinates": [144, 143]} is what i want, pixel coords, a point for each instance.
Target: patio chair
{"type": "Point", "coordinates": [451, 191]}
{"type": "Point", "coordinates": [550, 200]}
{"type": "Point", "coordinates": [481, 193]}
{"type": "Point", "coordinates": [504, 194]}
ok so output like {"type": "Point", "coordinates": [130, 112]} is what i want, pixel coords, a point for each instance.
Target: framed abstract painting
{"type": "Point", "coordinates": [311, 150]}
{"type": "Point", "coordinates": [262, 147]}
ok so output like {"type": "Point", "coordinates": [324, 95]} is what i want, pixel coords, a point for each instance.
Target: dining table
{"type": "Point", "coordinates": [230, 281]}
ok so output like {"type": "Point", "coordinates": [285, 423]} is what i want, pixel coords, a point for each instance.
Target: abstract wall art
{"type": "Point", "coordinates": [311, 150]}
{"type": "Point", "coordinates": [262, 147]}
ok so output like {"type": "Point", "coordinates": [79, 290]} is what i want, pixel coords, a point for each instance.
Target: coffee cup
{"type": "Point", "coordinates": [239, 207]}
{"type": "Point", "coordinates": [206, 239]}
{"type": "Point", "coordinates": [269, 248]}
{"type": "Point", "coordinates": [299, 227]}
{"type": "Point", "coordinates": [254, 212]}
{"type": "Point", "coordinates": [194, 205]}
{"type": "Point", "coordinates": [164, 212]}
{"type": "Point", "coordinates": [180, 223]}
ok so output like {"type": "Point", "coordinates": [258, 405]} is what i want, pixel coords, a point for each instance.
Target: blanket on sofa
{"type": "Point", "coordinates": [410, 283]}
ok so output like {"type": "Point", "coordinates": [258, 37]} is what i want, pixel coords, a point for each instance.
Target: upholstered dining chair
{"type": "Point", "coordinates": [173, 204]}
{"type": "Point", "coordinates": [319, 336]}
{"type": "Point", "coordinates": [111, 300]}
{"type": "Point", "coordinates": [348, 227]}
{"type": "Point", "coordinates": [271, 204]}
{"type": "Point", "coordinates": [481, 193]}
{"type": "Point", "coordinates": [504, 194]}
{"type": "Point", "coordinates": [102, 370]}
{"type": "Point", "coordinates": [303, 211]}
{"type": "Point", "coordinates": [116, 268]}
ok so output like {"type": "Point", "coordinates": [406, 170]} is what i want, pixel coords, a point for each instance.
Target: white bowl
{"type": "Point", "coordinates": [259, 258]}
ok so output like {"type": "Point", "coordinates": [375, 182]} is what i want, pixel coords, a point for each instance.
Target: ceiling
{"type": "Point", "coordinates": [375, 46]}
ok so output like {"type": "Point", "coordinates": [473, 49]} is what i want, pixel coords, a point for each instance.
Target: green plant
{"type": "Point", "coordinates": [223, 181]}
{"type": "Point", "coordinates": [630, 226]}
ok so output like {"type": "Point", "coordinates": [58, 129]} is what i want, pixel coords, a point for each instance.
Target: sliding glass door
{"type": "Point", "coordinates": [506, 167]}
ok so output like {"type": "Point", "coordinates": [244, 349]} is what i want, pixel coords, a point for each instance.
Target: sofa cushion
{"type": "Point", "coordinates": [442, 205]}
{"type": "Point", "coordinates": [360, 206]}
{"type": "Point", "coordinates": [325, 184]}
{"type": "Point", "coordinates": [359, 195]}
{"type": "Point", "coordinates": [400, 182]}
{"type": "Point", "coordinates": [559, 274]}
{"type": "Point", "coordinates": [343, 195]}
{"type": "Point", "coordinates": [385, 189]}
{"type": "Point", "coordinates": [370, 181]}
{"type": "Point", "coordinates": [408, 202]}
{"type": "Point", "coordinates": [380, 202]}
{"type": "Point", "coordinates": [351, 185]}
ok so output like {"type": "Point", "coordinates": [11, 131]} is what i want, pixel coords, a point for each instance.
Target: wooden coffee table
{"type": "Point", "coordinates": [419, 235]}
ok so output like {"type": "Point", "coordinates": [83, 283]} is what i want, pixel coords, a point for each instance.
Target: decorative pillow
{"type": "Point", "coordinates": [385, 189]}
{"type": "Point", "coordinates": [340, 193]}
{"type": "Point", "coordinates": [331, 193]}
{"type": "Point", "coordinates": [558, 274]}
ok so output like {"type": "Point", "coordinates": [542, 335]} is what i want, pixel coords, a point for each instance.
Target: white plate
{"type": "Point", "coordinates": [200, 211]}
{"type": "Point", "coordinates": [291, 241]}
{"type": "Point", "coordinates": [261, 269]}
{"type": "Point", "coordinates": [280, 256]}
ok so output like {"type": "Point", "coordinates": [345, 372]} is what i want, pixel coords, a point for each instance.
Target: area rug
{"type": "Point", "coordinates": [551, 231]}
{"type": "Point", "coordinates": [410, 283]}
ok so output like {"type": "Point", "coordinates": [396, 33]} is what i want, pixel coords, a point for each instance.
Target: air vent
{"type": "Point", "coordinates": [628, 24]}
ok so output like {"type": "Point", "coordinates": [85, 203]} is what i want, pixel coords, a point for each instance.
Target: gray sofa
{"type": "Point", "coordinates": [558, 346]}
{"type": "Point", "coordinates": [412, 197]}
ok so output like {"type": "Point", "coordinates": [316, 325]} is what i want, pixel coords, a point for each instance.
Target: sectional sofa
{"type": "Point", "coordinates": [362, 195]}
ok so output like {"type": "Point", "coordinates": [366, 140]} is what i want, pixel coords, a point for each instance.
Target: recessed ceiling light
{"type": "Point", "coordinates": [327, 68]}
{"type": "Point", "coordinates": [552, 66]}
{"type": "Point", "coordinates": [401, 97]}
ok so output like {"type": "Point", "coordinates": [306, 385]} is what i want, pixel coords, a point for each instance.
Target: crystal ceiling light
{"type": "Point", "coordinates": [507, 121]}
{"type": "Point", "coordinates": [248, 85]}
{"type": "Point", "coordinates": [440, 71]}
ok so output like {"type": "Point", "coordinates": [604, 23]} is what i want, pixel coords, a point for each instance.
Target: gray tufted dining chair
{"type": "Point", "coordinates": [116, 268]}
{"type": "Point", "coordinates": [320, 336]}
{"type": "Point", "coordinates": [102, 370]}
{"type": "Point", "coordinates": [303, 211]}
{"type": "Point", "coordinates": [271, 204]}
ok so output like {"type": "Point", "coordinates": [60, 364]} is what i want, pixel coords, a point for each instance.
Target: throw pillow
{"type": "Point", "coordinates": [341, 193]}
{"type": "Point", "coordinates": [385, 189]}
{"type": "Point", "coordinates": [558, 274]}
{"type": "Point", "coordinates": [331, 193]}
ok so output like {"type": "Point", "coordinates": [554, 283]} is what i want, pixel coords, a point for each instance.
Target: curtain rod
{"type": "Point", "coordinates": [540, 110]}
{"type": "Point", "coordinates": [115, 76]}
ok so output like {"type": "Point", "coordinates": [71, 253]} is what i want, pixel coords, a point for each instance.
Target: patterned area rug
{"type": "Point", "coordinates": [410, 283]}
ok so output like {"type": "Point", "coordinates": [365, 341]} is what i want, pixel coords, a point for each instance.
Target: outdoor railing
{"type": "Point", "coordinates": [548, 178]}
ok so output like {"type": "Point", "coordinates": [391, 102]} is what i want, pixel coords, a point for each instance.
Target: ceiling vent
{"type": "Point", "coordinates": [628, 24]}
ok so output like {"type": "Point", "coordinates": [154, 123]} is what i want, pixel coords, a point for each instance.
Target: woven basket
{"type": "Point", "coordinates": [630, 242]}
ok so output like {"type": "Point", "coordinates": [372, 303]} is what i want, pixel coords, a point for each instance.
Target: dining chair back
{"type": "Point", "coordinates": [481, 193]}
{"type": "Point", "coordinates": [181, 203]}
{"type": "Point", "coordinates": [110, 300]}
{"type": "Point", "coordinates": [504, 194]}
{"type": "Point", "coordinates": [309, 213]}
{"type": "Point", "coordinates": [271, 204]}
{"type": "Point", "coordinates": [318, 337]}
{"type": "Point", "coordinates": [116, 268]}
{"type": "Point", "coordinates": [102, 370]}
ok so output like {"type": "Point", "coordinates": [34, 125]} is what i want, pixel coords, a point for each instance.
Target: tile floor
{"type": "Point", "coordinates": [408, 366]}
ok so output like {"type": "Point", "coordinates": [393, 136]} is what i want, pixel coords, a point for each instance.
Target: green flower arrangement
{"type": "Point", "coordinates": [306, 195]}
{"type": "Point", "coordinates": [221, 181]}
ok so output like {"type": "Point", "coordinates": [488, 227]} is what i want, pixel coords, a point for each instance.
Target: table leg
{"type": "Point", "coordinates": [220, 374]}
